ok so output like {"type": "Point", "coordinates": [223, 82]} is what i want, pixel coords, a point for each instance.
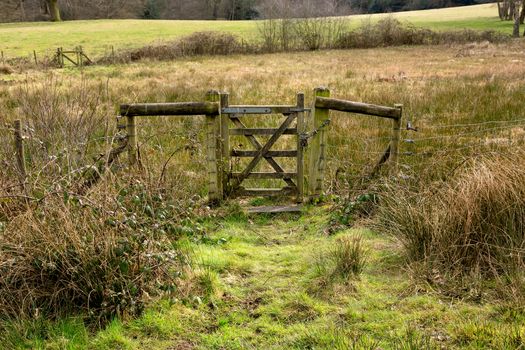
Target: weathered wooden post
{"type": "Point", "coordinates": [132, 139]}
{"type": "Point", "coordinates": [300, 160]}
{"type": "Point", "coordinates": [214, 151]}
{"type": "Point", "coordinates": [396, 135]}
{"type": "Point", "coordinates": [61, 57]}
{"type": "Point", "coordinates": [317, 152]}
{"type": "Point", "coordinates": [34, 56]}
{"type": "Point", "coordinates": [20, 152]}
{"type": "Point", "coordinates": [80, 56]}
{"type": "Point", "coordinates": [225, 140]}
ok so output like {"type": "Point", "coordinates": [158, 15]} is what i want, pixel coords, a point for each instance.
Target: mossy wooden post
{"type": "Point", "coordinates": [60, 57]}
{"type": "Point", "coordinates": [317, 152]}
{"type": "Point", "coordinates": [300, 161]}
{"type": "Point", "coordinates": [214, 151]}
{"type": "Point", "coordinates": [20, 152]}
{"type": "Point", "coordinates": [396, 135]}
{"type": "Point", "coordinates": [132, 139]}
{"type": "Point", "coordinates": [225, 141]}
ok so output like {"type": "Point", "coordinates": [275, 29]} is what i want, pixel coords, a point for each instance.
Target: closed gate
{"type": "Point", "coordinates": [224, 122]}
{"type": "Point", "coordinates": [293, 123]}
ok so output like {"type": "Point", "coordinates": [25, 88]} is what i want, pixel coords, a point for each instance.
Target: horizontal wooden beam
{"type": "Point", "coordinates": [261, 131]}
{"type": "Point", "coordinates": [288, 153]}
{"type": "Point", "coordinates": [176, 108]}
{"type": "Point", "coordinates": [266, 175]}
{"type": "Point", "coordinates": [357, 107]}
{"type": "Point", "coordinates": [285, 191]}
{"type": "Point", "coordinates": [253, 109]}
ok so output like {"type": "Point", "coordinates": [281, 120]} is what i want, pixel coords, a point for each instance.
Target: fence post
{"type": "Point", "coordinates": [132, 140]}
{"type": "Point", "coordinates": [396, 135]}
{"type": "Point", "coordinates": [300, 160]}
{"type": "Point", "coordinates": [214, 151]}
{"type": "Point", "coordinates": [80, 57]}
{"type": "Point", "coordinates": [20, 153]}
{"type": "Point", "coordinates": [317, 152]}
{"type": "Point", "coordinates": [225, 138]}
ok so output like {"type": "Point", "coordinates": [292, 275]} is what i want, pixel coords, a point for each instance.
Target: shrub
{"type": "Point", "coordinates": [68, 258]}
{"type": "Point", "coordinates": [391, 32]}
{"type": "Point", "coordinates": [195, 44]}
{"type": "Point", "coordinates": [471, 226]}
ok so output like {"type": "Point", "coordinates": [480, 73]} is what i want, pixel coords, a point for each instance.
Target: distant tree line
{"type": "Point", "coordinates": [56, 10]}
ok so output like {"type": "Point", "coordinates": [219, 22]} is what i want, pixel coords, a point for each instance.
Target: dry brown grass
{"type": "Point", "coordinates": [467, 230]}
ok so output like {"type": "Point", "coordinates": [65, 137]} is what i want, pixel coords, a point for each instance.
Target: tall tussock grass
{"type": "Point", "coordinates": [466, 232]}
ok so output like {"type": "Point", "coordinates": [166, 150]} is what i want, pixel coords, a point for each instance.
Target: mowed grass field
{"type": "Point", "coordinates": [97, 37]}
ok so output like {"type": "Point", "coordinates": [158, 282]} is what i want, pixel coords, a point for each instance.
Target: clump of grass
{"type": "Point", "coordinates": [467, 230]}
{"type": "Point", "coordinates": [6, 69]}
{"type": "Point", "coordinates": [343, 261]}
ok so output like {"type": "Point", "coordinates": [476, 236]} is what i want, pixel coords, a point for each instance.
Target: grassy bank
{"type": "Point", "coordinates": [97, 37]}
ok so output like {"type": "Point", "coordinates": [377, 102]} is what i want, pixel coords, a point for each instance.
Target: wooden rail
{"type": "Point", "coordinates": [317, 150]}
{"type": "Point", "coordinates": [167, 109]}
{"type": "Point", "coordinates": [357, 107]}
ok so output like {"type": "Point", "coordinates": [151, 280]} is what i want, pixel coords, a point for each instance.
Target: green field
{"type": "Point", "coordinates": [20, 39]}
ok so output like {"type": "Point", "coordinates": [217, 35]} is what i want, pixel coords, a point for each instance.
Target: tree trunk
{"type": "Point", "coordinates": [55, 10]}
{"type": "Point", "coordinates": [516, 29]}
{"type": "Point", "coordinates": [522, 14]}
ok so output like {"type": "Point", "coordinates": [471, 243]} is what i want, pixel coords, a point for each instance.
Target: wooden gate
{"type": "Point", "coordinates": [293, 124]}
{"type": "Point", "coordinates": [220, 116]}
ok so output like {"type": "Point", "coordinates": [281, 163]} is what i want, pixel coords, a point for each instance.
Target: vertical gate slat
{"type": "Point", "coordinates": [300, 163]}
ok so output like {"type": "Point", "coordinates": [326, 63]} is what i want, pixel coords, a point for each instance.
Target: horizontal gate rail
{"type": "Point", "coordinates": [357, 107]}
{"type": "Point", "coordinates": [167, 109]}
{"type": "Point", "coordinates": [254, 175]}
{"type": "Point", "coordinates": [285, 191]}
{"type": "Point", "coordinates": [282, 154]}
{"type": "Point", "coordinates": [249, 109]}
{"type": "Point", "coordinates": [261, 131]}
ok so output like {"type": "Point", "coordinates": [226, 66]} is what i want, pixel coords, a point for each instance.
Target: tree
{"type": "Point", "coordinates": [54, 10]}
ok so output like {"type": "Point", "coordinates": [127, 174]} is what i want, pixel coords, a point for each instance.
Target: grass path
{"type": "Point", "coordinates": [258, 287]}
{"type": "Point", "coordinates": [97, 36]}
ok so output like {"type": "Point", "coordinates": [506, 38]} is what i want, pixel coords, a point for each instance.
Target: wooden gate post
{"type": "Point", "coordinates": [132, 140]}
{"type": "Point", "coordinates": [20, 153]}
{"type": "Point", "coordinates": [396, 135]}
{"type": "Point", "coordinates": [300, 161]}
{"type": "Point", "coordinates": [225, 140]}
{"type": "Point", "coordinates": [317, 152]}
{"type": "Point", "coordinates": [214, 151]}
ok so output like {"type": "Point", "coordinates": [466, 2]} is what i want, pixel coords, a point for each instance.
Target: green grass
{"type": "Point", "coordinates": [264, 294]}
{"type": "Point", "coordinates": [97, 37]}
